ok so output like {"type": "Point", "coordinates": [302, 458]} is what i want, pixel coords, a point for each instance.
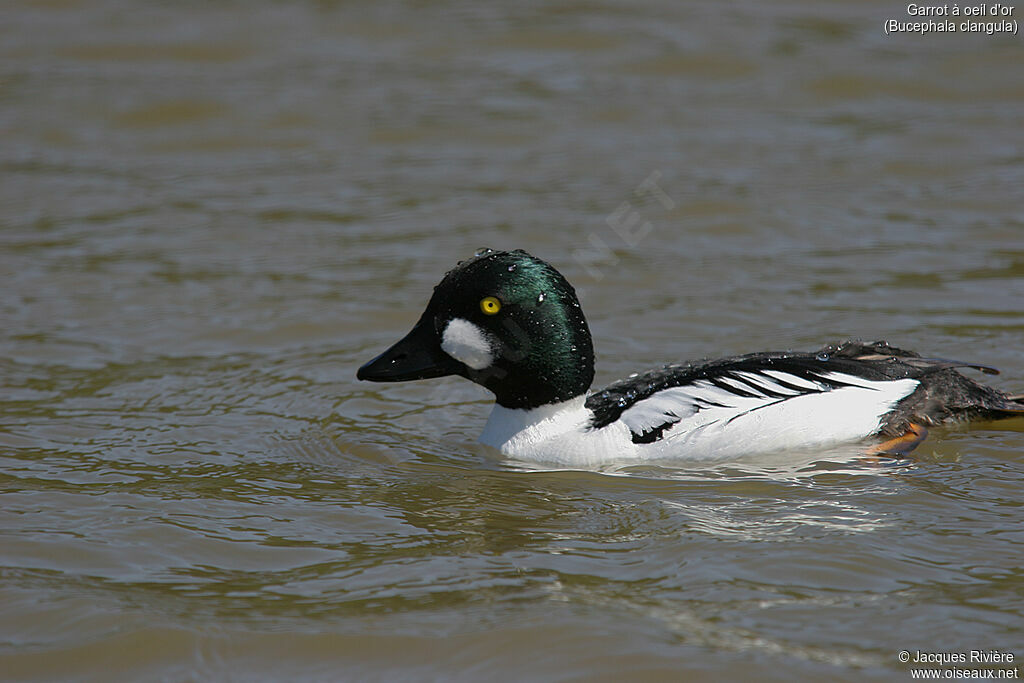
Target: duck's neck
{"type": "Point", "coordinates": [506, 425]}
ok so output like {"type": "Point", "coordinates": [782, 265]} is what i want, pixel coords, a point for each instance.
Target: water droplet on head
{"type": "Point", "coordinates": [512, 267]}
{"type": "Point", "coordinates": [540, 298]}
{"type": "Point", "coordinates": [622, 402]}
{"type": "Point", "coordinates": [822, 356]}
{"type": "Point", "coordinates": [484, 250]}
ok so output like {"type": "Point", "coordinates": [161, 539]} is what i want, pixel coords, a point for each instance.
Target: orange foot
{"type": "Point", "coordinates": [903, 444]}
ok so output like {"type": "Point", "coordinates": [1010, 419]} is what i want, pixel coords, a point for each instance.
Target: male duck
{"type": "Point", "coordinates": [511, 323]}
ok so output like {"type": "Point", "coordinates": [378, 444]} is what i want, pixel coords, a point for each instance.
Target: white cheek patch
{"type": "Point", "coordinates": [467, 343]}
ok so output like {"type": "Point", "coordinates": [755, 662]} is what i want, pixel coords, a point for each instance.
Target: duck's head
{"type": "Point", "coordinates": [505, 320]}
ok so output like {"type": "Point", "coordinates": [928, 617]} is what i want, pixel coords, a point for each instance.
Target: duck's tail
{"type": "Point", "coordinates": [1016, 400]}
{"type": "Point", "coordinates": [943, 395]}
{"type": "Point", "coordinates": [947, 396]}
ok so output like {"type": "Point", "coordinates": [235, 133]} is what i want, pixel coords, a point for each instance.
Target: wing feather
{"type": "Point", "coordinates": [725, 397]}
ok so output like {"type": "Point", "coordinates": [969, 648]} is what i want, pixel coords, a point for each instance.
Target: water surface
{"type": "Point", "coordinates": [211, 215]}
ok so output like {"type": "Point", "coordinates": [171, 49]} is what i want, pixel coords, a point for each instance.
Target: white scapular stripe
{"type": "Point", "coordinates": [792, 379]}
{"type": "Point", "coordinates": [766, 383]}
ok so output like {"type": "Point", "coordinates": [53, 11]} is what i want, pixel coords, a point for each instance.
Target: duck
{"type": "Point", "coordinates": [513, 324]}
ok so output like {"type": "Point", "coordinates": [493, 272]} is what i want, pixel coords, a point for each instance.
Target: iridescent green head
{"type": "Point", "coordinates": [505, 320]}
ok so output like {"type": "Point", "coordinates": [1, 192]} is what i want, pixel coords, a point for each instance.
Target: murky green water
{"type": "Point", "coordinates": [210, 215]}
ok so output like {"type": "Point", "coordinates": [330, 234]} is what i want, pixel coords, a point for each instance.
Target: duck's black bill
{"type": "Point", "coordinates": [417, 355]}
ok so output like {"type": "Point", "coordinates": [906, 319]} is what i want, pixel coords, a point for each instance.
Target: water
{"type": "Point", "coordinates": [213, 214]}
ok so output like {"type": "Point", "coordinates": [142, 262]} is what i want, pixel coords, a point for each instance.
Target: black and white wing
{"type": "Point", "coordinates": [727, 397]}
{"type": "Point", "coordinates": [720, 392]}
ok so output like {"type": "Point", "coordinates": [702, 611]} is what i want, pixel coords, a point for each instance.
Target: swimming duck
{"type": "Point", "coordinates": [512, 323]}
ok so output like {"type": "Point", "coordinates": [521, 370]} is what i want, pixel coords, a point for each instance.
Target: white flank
{"type": "Point", "coordinates": [702, 431]}
{"type": "Point", "coordinates": [765, 424]}
{"type": "Point", "coordinates": [467, 343]}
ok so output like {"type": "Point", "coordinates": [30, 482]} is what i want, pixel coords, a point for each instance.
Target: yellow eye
{"type": "Point", "coordinates": [489, 305]}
